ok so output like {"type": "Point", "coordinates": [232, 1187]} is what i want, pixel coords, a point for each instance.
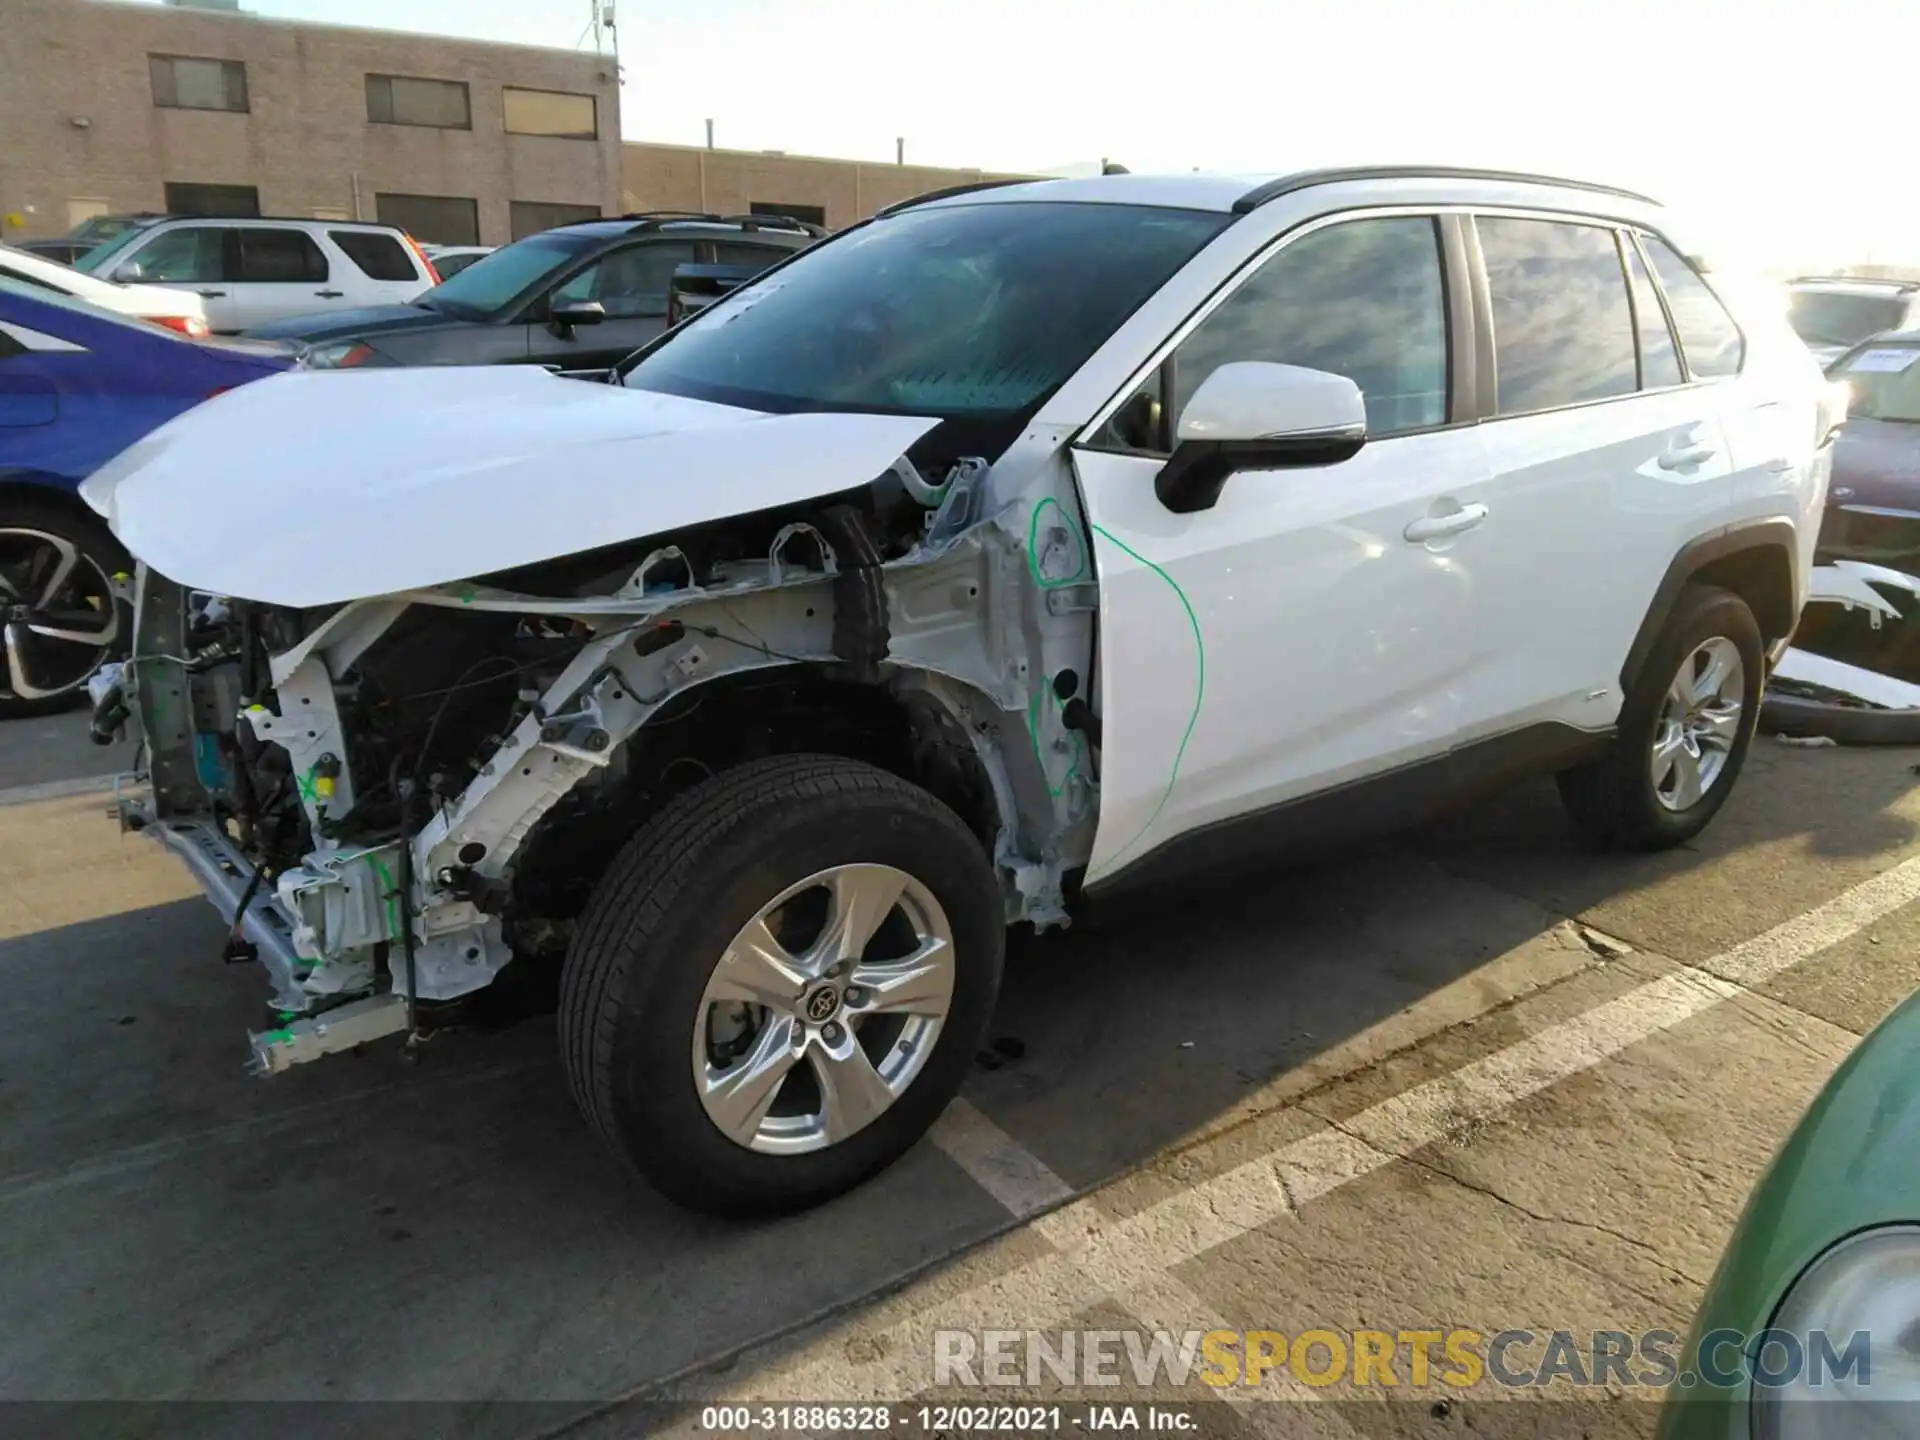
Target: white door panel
{"type": "Point", "coordinates": [1594, 503]}
{"type": "Point", "coordinates": [1290, 638]}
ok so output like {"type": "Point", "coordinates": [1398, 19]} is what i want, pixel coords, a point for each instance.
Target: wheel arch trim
{"type": "Point", "coordinates": [1770, 541]}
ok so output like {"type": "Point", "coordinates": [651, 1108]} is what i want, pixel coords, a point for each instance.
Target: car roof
{"type": "Point", "coordinates": [1237, 193]}
{"type": "Point", "coordinates": [619, 226]}
{"type": "Point", "coordinates": [154, 222]}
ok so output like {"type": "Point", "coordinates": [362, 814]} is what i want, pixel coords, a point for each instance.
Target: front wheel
{"type": "Point", "coordinates": [1684, 729]}
{"type": "Point", "coordinates": [779, 984]}
{"type": "Point", "coordinates": [62, 619]}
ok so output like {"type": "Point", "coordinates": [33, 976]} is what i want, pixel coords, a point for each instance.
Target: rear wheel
{"type": "Point", "coordinates": [1684, 729]}
{"type": "Point", "coordinates": [62, 619]}
{"type": "Point", "coordinates": [779, 984]}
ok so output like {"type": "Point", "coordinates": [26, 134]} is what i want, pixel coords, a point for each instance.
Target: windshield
{"type": "Point", "coordinates": [1885, 383]}
{"type": "Point", "coordinates": [95, 259]}
{"type": "Point", "coordinates": [956, 312]}
{"type": "Point", "coordinates": [1831, 317]}
{"type": "Point", "coordinates": [495, 281]}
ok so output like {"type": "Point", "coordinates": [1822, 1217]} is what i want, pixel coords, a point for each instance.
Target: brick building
{"type": "Point", "coordinates": [737, 182]}
{"type": "Point", "coordinates": [112, 107]}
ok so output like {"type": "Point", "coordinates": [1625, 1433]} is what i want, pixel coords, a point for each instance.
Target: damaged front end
{"type": "Point", "coordinates": [400, 804]}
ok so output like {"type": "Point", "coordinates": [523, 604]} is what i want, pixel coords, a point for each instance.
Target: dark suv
{"type": "Point", "coordinates": [579, 297]}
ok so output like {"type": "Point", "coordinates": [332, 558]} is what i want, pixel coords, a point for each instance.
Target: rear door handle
{"type": "Point", "coordinates": [214, 294]}
{"type": "Point", "coordinates": [1438, 527]}
{"type": "Point", "coordinates": [329, 294]}
{"type": "Point", "coordinates": [1685, 457]}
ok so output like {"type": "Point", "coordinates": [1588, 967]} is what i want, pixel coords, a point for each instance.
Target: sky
{"type": "Point", "coordinates": [1762, 123]}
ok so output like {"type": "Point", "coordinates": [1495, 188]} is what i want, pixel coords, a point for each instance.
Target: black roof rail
{"type": "Point", "coordinates": [774, 222]}
{"type": "Point", "coordinates": [948, 193]}
{"type": "Point", "coordinates": [1307, 179]}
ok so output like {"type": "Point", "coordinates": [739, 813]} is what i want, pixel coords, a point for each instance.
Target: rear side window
{"type": "Point", "coordinates": [1563, 330]}
{"type": "Point", "coordinates": [1363, 298]}
{"type": "Point", "coordinates": [380, 257]}
{"type": "Point", "coordinates": [1659, 361]}
{"type": "Point", "coordinates": [1708, 337]}
{"type": "Point", "coordinates": [282, 256]}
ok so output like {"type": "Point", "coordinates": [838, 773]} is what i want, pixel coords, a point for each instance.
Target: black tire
{"type": "Point", "coordinates": [1613, 796]}
{"type": "Point", "coordinates": [98, 548]}
{"type": "Point", "coordinates": [674, 899]}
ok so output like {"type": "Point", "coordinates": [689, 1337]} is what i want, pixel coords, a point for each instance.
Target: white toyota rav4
{"type": "Point", "coordinates": [1016, 545]}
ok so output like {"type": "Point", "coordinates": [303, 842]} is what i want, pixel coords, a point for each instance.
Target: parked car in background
{"type": "Point", "coordinates": [87, 235]}
{"type": "Point", "coordinates": [579, 298]}
{"type": "Point", "coordinates": [1022, 543]}
{"type": "Point", "coordinates": [251, 272]}
{"type": "Point", "coordinates": [1833, 314]}
{"type": "Point", "coordinates": [450, 260]}
{"type": "Point", "coordinates": [1810, 1326]}
{"type": "Point", "coordinates": [1873, 504]}
{"type": "Point", "coordinates": [78, 384]}
{"type": "Point", "coordinates": [180, 310]}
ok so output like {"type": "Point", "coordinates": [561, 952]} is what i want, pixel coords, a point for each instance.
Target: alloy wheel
{"type": "Point", "coordinates": [1700, 719]}
{"type": "Point", "coordinates": [61, 617]}
{"type": "Point", "coordinates": [823, 1009]}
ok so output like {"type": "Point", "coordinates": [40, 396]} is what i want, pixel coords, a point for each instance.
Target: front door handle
{"type": "Point", "coordinates": [1439, 527]}
{"type": "Point", "coordinates": [214, 294]}
{"type": "Point", "coordinates": [1685, 457]}
{"type": "Point", "coordinates": [329, 294]}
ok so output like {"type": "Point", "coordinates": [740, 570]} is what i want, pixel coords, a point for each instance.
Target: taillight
{"type": "Point", "coordinates": [425, 262]}
{"type": "Point", "coordinates": [191, 326]}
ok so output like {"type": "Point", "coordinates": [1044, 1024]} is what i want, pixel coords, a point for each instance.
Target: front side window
{"type": "Point", "coordinates": [404, 100]}
{"type": "Point", "coordinates": [188, 256]}
{"type": "Point", "coordinates": [187, 82]}
{"type": "Point", "coordinates": [1563, 329]}
{"type": "Point", "coordinates": [958, 312]}
{"type": "Point", "coordinates": [1708, 337]}
{"type": "Point", "coordinates": [1884, 383]}
{"type": "Point", "coordinates": [280, 257]}
{"type": "Point", "coordinates": [1365, 299]}
{"type": "Point", "coordinates": [629, 283]}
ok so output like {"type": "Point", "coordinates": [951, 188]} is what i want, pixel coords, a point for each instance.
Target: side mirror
{"type": "Point", "coordinates": [1254, 415]}
{"type": "Point", "coordinates": [128, 272]}
{"type": "Point", "coordinates": [577, 312]}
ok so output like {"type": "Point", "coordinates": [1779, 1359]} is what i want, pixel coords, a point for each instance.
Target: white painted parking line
{"type": "Point", "coordinates": [999, 1164]}
{"type": "Point", "coordinates": [57, 789]}
{"type": "Point", "coordinates": [1097, 1258]}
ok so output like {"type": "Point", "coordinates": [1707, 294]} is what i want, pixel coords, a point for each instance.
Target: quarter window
{"type": "Point", "coordinates": [280, 257]}
{"type": "Point", "coordinates": [1659, 361]}
{"type": "Point", "coordinates": [187, 82]}
{"type": "Point", "coordinates": [1364, 298]}
{"type": "Point", "coordinates": [1708, 337]}
{"type": "Point", "coordinates": [380, 257]}
{"type": "Point", "coordinates": [1563, 330]}
{"type": "Point", "coordinates": [630, 283]}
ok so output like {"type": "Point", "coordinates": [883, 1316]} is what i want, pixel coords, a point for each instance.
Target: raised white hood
{"type": "Point", "coordinates": [312, 488]}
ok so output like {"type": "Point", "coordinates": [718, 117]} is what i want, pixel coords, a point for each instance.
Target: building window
{"type": "Point", "coordinates": [436, 219]}
{"type": "Point", "coordinates": [184, 82]}
{"type": "Point", "coordinates": [403, 100]}
{"type": "Point", "coordinates": [530, 217]}
{"type": "Point", "coordinates": [217, 200]}
{"type": "Point", "coordinates": [811, 214]}
{"type": "Point", "coordinates": [547, 112]}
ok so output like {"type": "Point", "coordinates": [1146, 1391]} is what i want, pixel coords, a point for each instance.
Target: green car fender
{"type": "Point", "coordinates": [1851, 1165]}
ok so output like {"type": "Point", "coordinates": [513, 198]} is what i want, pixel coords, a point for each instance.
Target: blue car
{"type": "Point", "coordinates": [77, 386]}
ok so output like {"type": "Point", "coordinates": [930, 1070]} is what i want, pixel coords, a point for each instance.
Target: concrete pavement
{"type": "Point", "coordinates": [1478, 1076]}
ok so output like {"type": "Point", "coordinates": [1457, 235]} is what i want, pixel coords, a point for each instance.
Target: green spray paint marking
{"type": "Point", "coordinates": [393, 895]}
{"type": "Point", "coordinates": [1199, 690]}
{"type": "Point", "coordinates": [1033, 547]}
